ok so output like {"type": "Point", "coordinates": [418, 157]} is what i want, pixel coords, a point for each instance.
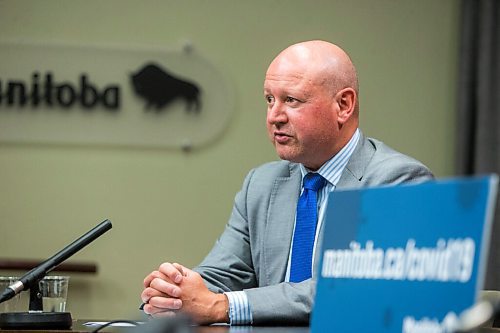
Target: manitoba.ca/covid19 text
{"type": "Point", "coordinates": [450, 260]}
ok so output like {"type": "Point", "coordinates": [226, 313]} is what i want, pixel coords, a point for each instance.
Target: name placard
{"type": "Point", "coordinates": [407, 258]}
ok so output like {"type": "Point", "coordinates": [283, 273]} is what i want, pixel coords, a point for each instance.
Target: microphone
{"type": "Point", "coordinates": [37, 273]}
{"type": "Point", "coordinates": [481, 313]}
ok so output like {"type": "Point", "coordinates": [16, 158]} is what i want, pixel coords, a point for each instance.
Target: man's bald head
{"type": "Point", "coordinates": [325, 62]}
{"type": "Point", "coordinates": [312, 109]}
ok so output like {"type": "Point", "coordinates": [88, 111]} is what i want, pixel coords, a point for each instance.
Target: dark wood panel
{"type": "Point", "coordinates": [27, 264]}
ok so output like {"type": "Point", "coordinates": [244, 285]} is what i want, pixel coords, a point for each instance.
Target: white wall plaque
{"type": "Point", "coordinates": [68, 94]}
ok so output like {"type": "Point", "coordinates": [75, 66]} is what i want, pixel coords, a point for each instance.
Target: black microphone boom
{"type": "Point", "coordinates": [37, 273]}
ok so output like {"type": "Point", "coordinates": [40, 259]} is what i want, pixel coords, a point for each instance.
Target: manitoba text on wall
{"type": "Point", "coordinates": [139, 97]}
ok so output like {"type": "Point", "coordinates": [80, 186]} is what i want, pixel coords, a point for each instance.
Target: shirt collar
{"type": "Point", "coordinates": [332, 169]}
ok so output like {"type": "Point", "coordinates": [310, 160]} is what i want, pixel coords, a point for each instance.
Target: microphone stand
{"type": "Point", "coordinates": [36, 318]}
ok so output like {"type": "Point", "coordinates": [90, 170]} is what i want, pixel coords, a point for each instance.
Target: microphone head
{"type": "Point", "coordinates": [480, 314]}
{"type": "Point", "coordinates": [7, 294]}
{"type": "Point", "coordinates": [11, 291]}
{"type": "Point", "coordinates": [475, 316]}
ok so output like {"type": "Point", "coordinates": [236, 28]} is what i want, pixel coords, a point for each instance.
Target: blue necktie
{"type": "Point", "coordinates": [305, 228]}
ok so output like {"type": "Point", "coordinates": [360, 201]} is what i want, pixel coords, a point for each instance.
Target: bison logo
{"type": "Point", "coordinates": [158, 87]}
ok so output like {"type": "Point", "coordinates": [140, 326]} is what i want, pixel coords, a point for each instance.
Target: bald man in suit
{"type": "Point", "coordinates": [311, 90]}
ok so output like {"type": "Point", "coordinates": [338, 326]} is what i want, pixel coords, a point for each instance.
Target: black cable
{"type": "Point", "coordinates": [132, 322]}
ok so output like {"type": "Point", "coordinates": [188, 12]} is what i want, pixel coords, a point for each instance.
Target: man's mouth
{"type": "Point", "coordinates": [281, 137]}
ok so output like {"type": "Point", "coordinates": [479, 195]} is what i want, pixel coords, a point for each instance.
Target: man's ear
{"type": "Point", "coordinates": [346, 100]}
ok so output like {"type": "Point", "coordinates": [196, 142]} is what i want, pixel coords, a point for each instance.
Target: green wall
{"type": "Point", "coordinates": [170, 205]}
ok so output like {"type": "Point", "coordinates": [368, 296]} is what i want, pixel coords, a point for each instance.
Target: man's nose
{"type": "Point", "coordinates": [277, 114]}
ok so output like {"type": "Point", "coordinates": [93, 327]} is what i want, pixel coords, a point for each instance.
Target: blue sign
{"type": "Point", "coordinates": [407, 258]}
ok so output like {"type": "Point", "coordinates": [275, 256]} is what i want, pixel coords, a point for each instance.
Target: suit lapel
{"type": "Point", "coordinates": [279, 224]}
{"type": "Point", "coordinates": [354, 171]}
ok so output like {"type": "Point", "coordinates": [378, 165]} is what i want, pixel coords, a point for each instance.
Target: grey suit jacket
{"type": "Point", "coordinates": [253, 250]}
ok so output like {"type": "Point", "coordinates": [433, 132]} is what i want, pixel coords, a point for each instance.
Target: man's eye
{"type": "Point", "coordinates": [269, 99]}
{"type": "Point", "coordinates": [291, 100]}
